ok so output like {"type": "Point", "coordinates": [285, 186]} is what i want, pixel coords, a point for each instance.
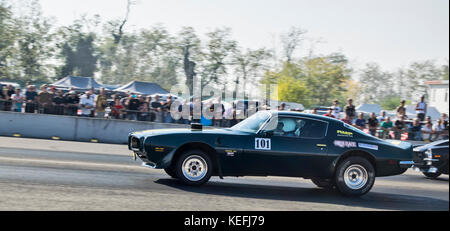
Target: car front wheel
{"type": "Point", "coordinates": [194, 167]}
{"type": "Point", "coordinates": [355, 176]}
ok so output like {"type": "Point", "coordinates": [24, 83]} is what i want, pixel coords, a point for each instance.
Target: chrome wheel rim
{"type": "Point", "coordinates": [355, 177]}
{"type": "Point", "coordinates": [194, 168]}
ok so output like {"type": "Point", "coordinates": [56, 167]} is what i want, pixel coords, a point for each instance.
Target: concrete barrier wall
{"type": "Point", "coordinates": [73, 128]}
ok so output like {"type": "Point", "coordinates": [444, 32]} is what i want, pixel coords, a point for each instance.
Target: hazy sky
{"type": "Point", "coordinates": [392, 33]}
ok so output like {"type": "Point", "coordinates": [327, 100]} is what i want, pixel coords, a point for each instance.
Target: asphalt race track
{"type": "Point", "coordinates": [60, 175]}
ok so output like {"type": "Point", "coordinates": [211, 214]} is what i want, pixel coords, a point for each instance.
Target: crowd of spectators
{"type": "Point", "coordinates": [125, 106]}
{"type": "Point", "coordinates": [420, 128]}
{"type": "Point", "coordinates": [129, 106]}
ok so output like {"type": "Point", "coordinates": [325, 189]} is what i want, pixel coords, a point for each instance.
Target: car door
{"type": "Point", "coordinates": [289, 146]}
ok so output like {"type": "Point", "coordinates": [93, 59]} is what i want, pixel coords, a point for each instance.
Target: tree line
{"type": "Point", "coordinates": [33, 49]}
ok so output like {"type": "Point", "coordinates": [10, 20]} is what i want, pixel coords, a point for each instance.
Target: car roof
{"type": "Point", "coordinates": [306, 115]}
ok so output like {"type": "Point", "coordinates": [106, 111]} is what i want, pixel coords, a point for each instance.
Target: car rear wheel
{"type": "Point", "coordinates": [194, 167]}
{"type": "Point", "coordinates": [431, 174]}
{"type": "Point", "coordinates": [323, 183]}
{"type": "Point", "coordinates": [355, 176]}
{"type": "Point", "coordinates": [170, 171]}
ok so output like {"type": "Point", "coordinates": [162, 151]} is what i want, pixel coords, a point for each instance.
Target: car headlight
{"type": "Point", "coordinates": [429, 154]}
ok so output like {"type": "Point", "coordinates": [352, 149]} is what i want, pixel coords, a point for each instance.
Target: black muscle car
{"type": "Point", "coordinates": [432, 159]}
{"type": "Point", "coordinates": [329, 152]}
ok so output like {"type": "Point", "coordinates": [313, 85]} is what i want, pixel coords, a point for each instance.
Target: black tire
{"type": "Point", "coordinates": [432, 175]}
{"type": "Point", "coordinates": [199, 163]}
{"type": "Point", "coordinates": [323, 183]}
{"type": "Point", "coordinates": [354, 176]}
{"type": "Point", "coordinates": [171, 172]}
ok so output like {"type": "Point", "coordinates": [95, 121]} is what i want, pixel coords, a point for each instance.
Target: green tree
{"type": "Point", "coordinates": [291, 40]}
{"type": "Point", "coordinates": [249, 66]}
{"type": "Point", "coordinates": [445, 72]}
{"type": "Point", "coordinates": [326, 77]}
{"type": "Point", "coordinates": [189, 46]}
{"type": "Point", "coordinates": [77, 48]}
{"type": "Point", "coordinates": [216, 57]}
{"type": "Point", "coordinates": [85, 60]}
{"type": "Point", "coordinates": [416, 74]}
{"type": "Point", "coordinates": [8, 34]}
{"type": "Point", "coordinates": [389, 102]}
{"type": "Point", "coordinates": [375, 83]}
{"type": "Point", "coordinates": [33, 44]}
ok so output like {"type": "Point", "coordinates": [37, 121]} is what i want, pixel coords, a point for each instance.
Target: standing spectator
{"type": "Point", "coordinates": [10, 90]}
{"type": "Point", "coordinates": [7, 92]}
{"type": "Point", "coordinates": [2, 93]}
{"type": "Point", "coordinates": [132, 107]}
{"type": "Point", "coordinates": [427, 132]}
{"type": "Point", "coordinates": [373, 124]}
{"type": "Point", "coordinates": [207, 121]}
{"type": "Point", "coordinates": [152, 115]}
{"type": "Point", "coordinates": [444, 119]}
{"type": "Point", "coordinates": [59, 103]}
{"type": "Point", "coordinates": [336, 109]}
{"type": "Point", "coordinates": [350, 109]}
{"type": "Point", "coordinates": [386, 127]}
{"type": "Point", "coordinates": [45, 100]}
{"type": "Point", "coordinates": [347, 120]}
{"type": "Point", "coordinates": [428, 119]}
{"type": "Point", "coordinates": [360, 122]}
{"type": "Point", "coordinates": [439, 130]}
{"type": "Point", "coordinates": [87, 104]}
{"type": "Point", "coordinates": [421, 108]}
{"type": "Point", "coordinates": [184, 109]}
{"type": "Point", "coordinates": [416, 130]}
{"type": "Point", "coordinates": [144, 114]}
{"type": "Point", "coordinates": [399, 127]}
{"type": "Point", "coordinates": [329, 113]}
{"type": "Point", "coordinates": [92, 90]}
{"type": "Point", "coordinates": [314, 111]}
{"type": "Point", "coordinates": [72, 100]}
{"type": "Point", "coordinates": [31, 99]}
{"type": "Point", "coordinates": [166, 110]}
{"type": "Point", "coordinates": [18, 99]}
{"type": "Point", "coordinates": [101, 103]}
{"type": "Point", "coordinates": [156, 109]}
{"type": "Point", "coordinates": [53, 90]}
{"type": "Point", "coordinates": [382, 117]}
{"type": "Point", "coordinates": [401, 110]}
{"type": "Point", "coordinates": [117, 109]}
{"type": "Point", "coordinates": [3, 98]}
{"type": "Point", "coordinates": [282, 107]}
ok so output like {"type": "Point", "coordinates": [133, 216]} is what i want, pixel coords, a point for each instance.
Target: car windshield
{"type": "Point", "coordinates": [253, 123]}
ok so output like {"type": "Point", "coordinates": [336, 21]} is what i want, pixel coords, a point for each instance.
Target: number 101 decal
{"type": "Point", "coordinates": [262, 144]}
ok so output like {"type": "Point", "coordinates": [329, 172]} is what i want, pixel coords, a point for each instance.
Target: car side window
{"type": "Point", "coordinates": [297, 127]}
